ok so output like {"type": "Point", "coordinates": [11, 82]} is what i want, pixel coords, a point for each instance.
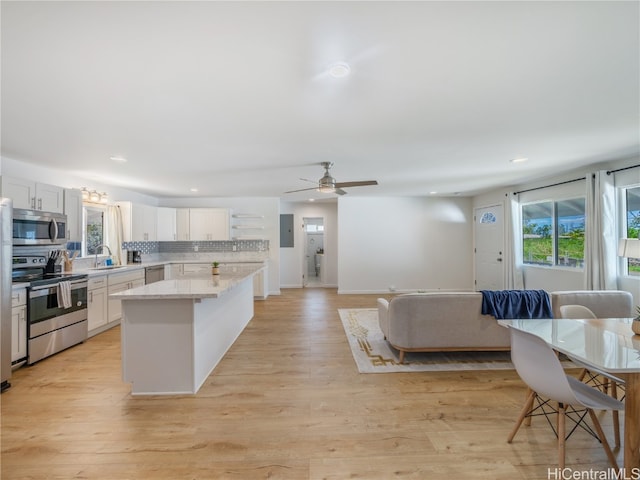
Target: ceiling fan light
{"type": "Point", "coordinates": [326, 189]}
{"type": "Point", "coordinates": [339, 70]}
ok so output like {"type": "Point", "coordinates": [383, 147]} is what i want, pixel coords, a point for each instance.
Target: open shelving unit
{"type": "Point", "coordinates": [249, 228]}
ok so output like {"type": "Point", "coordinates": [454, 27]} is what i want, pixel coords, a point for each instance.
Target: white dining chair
{"type": "Point", "coordinates": [609, 383]}
{"type": "Point", "coordinates": [539, 367]}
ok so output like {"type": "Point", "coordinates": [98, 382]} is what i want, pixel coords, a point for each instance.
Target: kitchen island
{"type": "Point", "coordinates": [174, 332]}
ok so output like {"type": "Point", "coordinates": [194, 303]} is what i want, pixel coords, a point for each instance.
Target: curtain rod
{"type": "Point", "coordinates": [609, 172]}
{"type": "Point", "coordinates": [552, 185]}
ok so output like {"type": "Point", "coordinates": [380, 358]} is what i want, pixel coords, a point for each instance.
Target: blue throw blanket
{"type": "Point", "coordinates": [516, 303]}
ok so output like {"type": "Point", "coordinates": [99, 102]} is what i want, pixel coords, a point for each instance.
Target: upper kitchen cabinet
{"type": "Point", "coordinates": [182, 224]}
{"type": "Point", "coordinates": [139, 222]}
{"type": "Point", "coordinates": [73, 211]}
{"type": "Point", "coordinates": [166, 224]}
{"type": "Point", "coordinates": [32, 195]}
{"type": "Point", "coordinates": [209, 224]}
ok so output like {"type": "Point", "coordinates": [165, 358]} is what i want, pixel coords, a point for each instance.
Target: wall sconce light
{"type": "Point", "coordinates": [629, 248]}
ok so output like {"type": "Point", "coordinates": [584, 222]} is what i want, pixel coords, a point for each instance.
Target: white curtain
{"type": "Point", "coordinates": [514, 279]}
{"type": "Point", "coordinates": [600, 235]}
{"type": "Point", "coordinates": [114, 233]}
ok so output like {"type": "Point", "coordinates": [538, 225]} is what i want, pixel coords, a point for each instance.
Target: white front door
{"type": "Point", "coordinates": [489, 247]}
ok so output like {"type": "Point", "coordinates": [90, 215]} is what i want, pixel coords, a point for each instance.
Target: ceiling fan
{"type": "Point", "coordinates": [328, 184]}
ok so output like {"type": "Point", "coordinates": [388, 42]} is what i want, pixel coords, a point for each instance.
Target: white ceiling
{"type": "Point", "coordinates": [234, 98]}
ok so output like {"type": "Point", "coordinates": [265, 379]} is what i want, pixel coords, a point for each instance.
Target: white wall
{"type": "Point", "coordinates": [268, 207]}
{"type": "Point", "coordinates": [404, 244]}
{"type": "Point", "coordinates": [291, 259]}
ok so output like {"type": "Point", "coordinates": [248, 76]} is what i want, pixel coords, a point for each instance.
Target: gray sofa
{"type": "Point", "coordinates": [452, 321]}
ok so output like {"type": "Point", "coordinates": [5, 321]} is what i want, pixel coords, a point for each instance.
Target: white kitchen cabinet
{"type": "Point", "coordinates": [260, 286]}
{"type": "Point", "coordinates": [173, 271]}
{"type": "Point", "coordinates": [196, 268]}
{"type": "Point", "coordinates": [119, 282]}
{"type": "Point", "coordinates": [166, 224]}
{"type": "Point", "coordinates": [182, 224]}
{"type": "Point", "coordinates": [97, 311]}
{"type": "Point", "coordinates": [139, 222]}
{"type": "Point", "coordinates": [209, 224]}
{"type": "Point", "coordinates": [33, 195]}
{"type": "Point", "coordinates": [73, 211]}
{"type": "Point", "coordinates": [18, 324]}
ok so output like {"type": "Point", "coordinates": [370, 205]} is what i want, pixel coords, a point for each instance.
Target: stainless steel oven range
{"type": "Point", "coordinates": [56, 307]}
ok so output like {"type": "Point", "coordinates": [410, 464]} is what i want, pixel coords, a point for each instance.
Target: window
{"type": "Point", "coordinates": [553, 233]}
{"type": "Point", "coordinates": [632, 228]}
{"type": "Point", "coordinates": [94, 228]}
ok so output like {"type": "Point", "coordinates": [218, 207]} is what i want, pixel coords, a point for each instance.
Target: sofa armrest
{"type": "Point", "coordinates": [383, 316]}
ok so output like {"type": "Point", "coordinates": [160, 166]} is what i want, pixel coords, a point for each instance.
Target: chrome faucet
{"type": "Point", "coordinates": [103, 247]}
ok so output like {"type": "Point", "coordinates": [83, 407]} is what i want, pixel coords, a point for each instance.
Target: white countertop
{"type": "Point", "coordinates": [194, 285]}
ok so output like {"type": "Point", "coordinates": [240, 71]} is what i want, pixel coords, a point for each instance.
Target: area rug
{"type": "Point", "coordinates": [373, 354]}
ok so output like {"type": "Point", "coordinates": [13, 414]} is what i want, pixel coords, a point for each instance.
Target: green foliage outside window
{"type": "Point", "coordinates": [541, 245]}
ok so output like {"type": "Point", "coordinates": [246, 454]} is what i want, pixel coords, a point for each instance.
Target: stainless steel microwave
{"type": "Point", "coordinates": [31, 227]}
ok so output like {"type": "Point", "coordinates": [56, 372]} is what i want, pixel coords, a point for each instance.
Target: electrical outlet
{"type": "Point", "coordinates": [233, 248]}
{"type": "Point", "coordinates": [195, 248]}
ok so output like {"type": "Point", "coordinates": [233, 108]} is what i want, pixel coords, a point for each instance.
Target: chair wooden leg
{"type": "Point", "coordinates": [529, 404]}
{"type": "Point", "coordinates": [583, 374]}
{"type": "Point", "coordinates": [401, 359]}
{"type": "Point", "coordinates": [523, 413]}
{"type": "Point", "coordinates": [603, 439]}
{"type": "Point", "coordinates": [561, 435]}
{"type": "Point", "coordinates": [616, 417]}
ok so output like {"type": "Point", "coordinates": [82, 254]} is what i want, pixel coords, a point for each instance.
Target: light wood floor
{"type": "Point", "coordinates": [287, 402]}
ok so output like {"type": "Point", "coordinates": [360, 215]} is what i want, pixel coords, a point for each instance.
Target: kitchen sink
{"type": "Point", "coordinates": [108, 267]}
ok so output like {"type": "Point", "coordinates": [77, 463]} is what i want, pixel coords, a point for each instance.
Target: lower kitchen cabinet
{"type": "Point", "coordinates": [173, 271]}
{"type": "Point", "coordinates": [18, 325]}
{"type": "Point", "coordinates": [260, 285]}
{"type": "Point", "coordinates": [119, 282]}
{"type": "Point", "coordinates": [104, 313]}
{"type": "Point", "coordinates": [196, 268]}
{"type": "Point", "coordinates": [97, 303]}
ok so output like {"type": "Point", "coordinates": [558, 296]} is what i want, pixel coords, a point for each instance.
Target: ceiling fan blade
{"type": "Point", "coordinates": [356, 184]}
{"type": "Point", "coordinates": [339, 191]}
{"type": "Point", "coordinates": [302, 190]}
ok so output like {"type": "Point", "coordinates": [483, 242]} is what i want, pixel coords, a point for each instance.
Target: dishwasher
{"type": "Point", "coordinates": [153, 274]}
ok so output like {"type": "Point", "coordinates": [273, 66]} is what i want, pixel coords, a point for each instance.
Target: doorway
{"type": "Point", "coordinates": [313, 261]}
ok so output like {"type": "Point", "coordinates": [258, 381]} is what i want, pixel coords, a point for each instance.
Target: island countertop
{"type": "Point", "coordinates": [193, 285]}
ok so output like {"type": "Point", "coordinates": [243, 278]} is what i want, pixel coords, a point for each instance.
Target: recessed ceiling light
{"type": "Point", "coordinates": [339, 70]}
{"type": "Point", "coordinates": [312, 199]}
{"type": "Point", "coordinates": [194, 189]}
{"type": "Point", "coordinates": [518, 160]}
{"type": "Point", "coordinates": [118, 158]}
{"type": "Point", "coordinates": [432, 193]}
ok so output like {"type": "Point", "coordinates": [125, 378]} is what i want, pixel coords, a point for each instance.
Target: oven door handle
{"type": "Point", "coordinates": [51, 288]}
